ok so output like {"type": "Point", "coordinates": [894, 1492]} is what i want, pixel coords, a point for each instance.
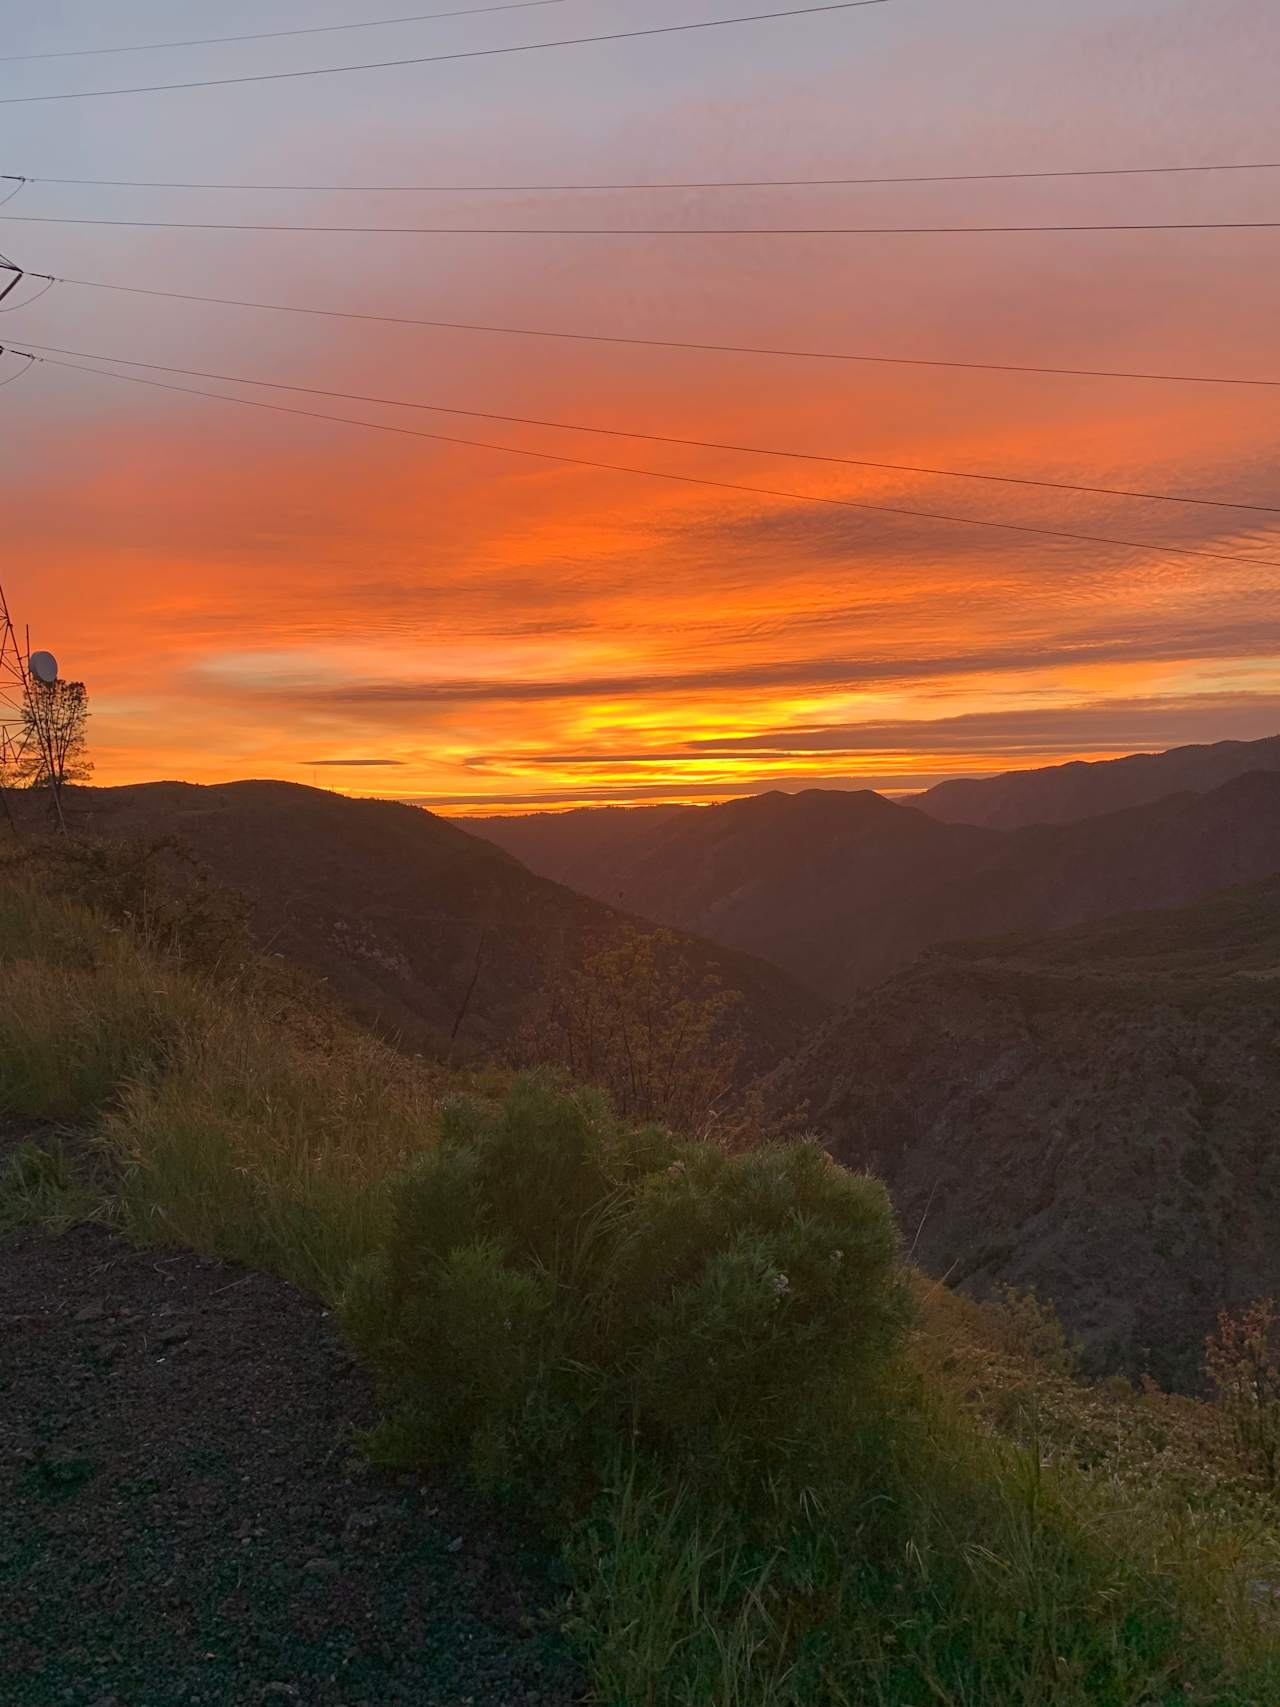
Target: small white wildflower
{"type": "Point", "coordinates": [780, 1284]}
{"type": "Point", "coordinates": [837, 1256]}
{"type": "Point", "coordinates": [507, 1324]}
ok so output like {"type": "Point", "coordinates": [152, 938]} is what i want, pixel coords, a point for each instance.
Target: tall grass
{"type": "Point", "coordinates": [243, 1123]}
{"type": "Point", "coordinates": [968, 1574]}
{"type": "Point", "coordinates": [82, 1008]}
{"type": "Point", "coordinates": [262, 1145]}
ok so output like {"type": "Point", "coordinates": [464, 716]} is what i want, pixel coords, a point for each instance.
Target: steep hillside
{"type": "Point", "coordinates": [1059, 794]}
{"type": "Point", "coordinates": [843, 888]}
{"type": "Point", "coordinates": [1093, 1113]}
{"type": "Point", "coordinates": [413, 922]}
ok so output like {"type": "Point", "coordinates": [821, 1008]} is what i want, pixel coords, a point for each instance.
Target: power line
{"type": "Point", "coordinates": [18, 372]}
{"type": "Point", "coordinates": [666, 343]}
{"type": "Point", "coordinates": [442, 58]}
{"type": "Point", "coordinates": [1149, 546]}
{"type": "Point", "coordinates": [689, 184]}
{"type": "Point", "coordinates": [660, 438]}
{"type": "Point", "coordinates": [277, 35]}
{"type": "Point", "coordinates": [44, 290]}
{"type": "Point", "coordinates": [645, 230]}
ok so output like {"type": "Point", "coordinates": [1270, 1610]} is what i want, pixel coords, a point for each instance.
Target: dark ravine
{"type": "Point", "coordinates": [185, 1524]}
{"type": "Point", "coordinates": [1092, 1113]}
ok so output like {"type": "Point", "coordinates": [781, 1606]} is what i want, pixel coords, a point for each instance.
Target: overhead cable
{"type": "Point", "coordinates": [276, 35]}
{"type": "Point", "coordinates": [9, 379]}
{"type": "Point", "coordinates": [688, 344]}
{"type": "Point", "coordinates": [669, 184]}
{"type": "Point", "coordinates": [646, 230]}
{"type": "Point", "coordinates": [1151, 547]}
{"type": "Point", "coordinates": [44, 290]}
{"type": "Point", "coordinates": [443, 58]}
{"type": "Point", "coordinates": [659, 438]}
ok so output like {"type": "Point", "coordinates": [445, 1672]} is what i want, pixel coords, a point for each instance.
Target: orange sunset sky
{"type": "Point", "coordinates": [249, 593]}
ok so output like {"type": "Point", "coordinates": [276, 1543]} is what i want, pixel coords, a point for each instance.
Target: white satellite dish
{"type": "Point", "coordinates": [44, 667]}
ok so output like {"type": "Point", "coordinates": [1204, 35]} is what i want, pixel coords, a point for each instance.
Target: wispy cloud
{"type": "Point", "coordinates": [849, 673]}
{"type": "Point", "coordinates": [1109, 725]}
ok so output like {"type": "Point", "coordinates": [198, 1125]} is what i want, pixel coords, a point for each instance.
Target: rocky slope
{"type": "Point", "coordinates": [1093, 1113]}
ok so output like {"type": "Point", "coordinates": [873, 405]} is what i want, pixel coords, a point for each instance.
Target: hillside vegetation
{"type": "Point", "coordinates": [430, 934]}
{"type": "Point", "coordinates": [1093, 1112]}
{"type": "Point", "coordinates": [785, 1470]}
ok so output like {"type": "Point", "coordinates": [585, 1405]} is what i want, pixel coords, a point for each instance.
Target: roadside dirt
{"type": "Point", "coordinates": [184, 1521]}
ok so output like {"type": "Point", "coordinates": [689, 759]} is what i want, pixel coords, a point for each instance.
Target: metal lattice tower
{"type": "Point", "coordinates": [15, 696]}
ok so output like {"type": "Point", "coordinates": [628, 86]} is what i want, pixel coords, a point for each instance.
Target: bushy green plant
{"type": "Point", "coordinates": [556, 1281]}
{"type": "Point", "coordinates": [1027, 1327]}
{"type": "Point", "coordinates": [757, 1302]}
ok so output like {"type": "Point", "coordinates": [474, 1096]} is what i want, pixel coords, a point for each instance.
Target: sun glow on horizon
{"type": "Point", "coordinates": [248, 593]}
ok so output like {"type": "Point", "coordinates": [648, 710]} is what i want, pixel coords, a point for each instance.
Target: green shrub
{"type": "Point", "coordinates": [1026, 1327]}
{"type": "Point", "coordinates": [555, 1282]}
{"type": "Point", "coordinates": [757, 1299]}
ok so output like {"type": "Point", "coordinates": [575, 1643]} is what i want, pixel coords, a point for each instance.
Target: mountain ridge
{"type": "Point", "coordinates": [841, 888]}
{"type": "Point", "coordinates": [1084, 788]}
{"type": "Point", "coordinates": [420, 928]}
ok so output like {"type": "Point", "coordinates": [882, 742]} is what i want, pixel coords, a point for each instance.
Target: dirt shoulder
{"type": "Point", "coordinates": [184, 1521]}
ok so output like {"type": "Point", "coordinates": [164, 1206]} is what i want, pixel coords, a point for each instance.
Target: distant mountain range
{"type": "Point", "coordinates": [416, 925]}
{"type": "Point", "coordinates": [1060, 794]}
{"type": "Point", "coordinates": [843, 888]}
{"type": "Point", "coordinates": [1093, 1113]}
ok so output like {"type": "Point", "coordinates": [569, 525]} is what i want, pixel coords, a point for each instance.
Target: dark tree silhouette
{"type": "Point", "coordinates": [56, 752]}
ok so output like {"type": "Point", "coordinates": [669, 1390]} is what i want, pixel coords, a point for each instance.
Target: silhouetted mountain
{"type": "Point", "coordinates": [400, 911]}
{"type": "Point", "coordinates": [580, 848]}
{"type": "Point", "coordinates": [1092, 1113]}
{"type": "Point", "coordinates": [1060, 794]}
{"type": "Point", "coordinates": [842, 888]}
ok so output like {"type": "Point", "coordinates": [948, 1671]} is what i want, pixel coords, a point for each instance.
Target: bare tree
{"type": "Point", "coordinates": [56, 752]}
{"type": "Point", "coordinates": [642, 1023]}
